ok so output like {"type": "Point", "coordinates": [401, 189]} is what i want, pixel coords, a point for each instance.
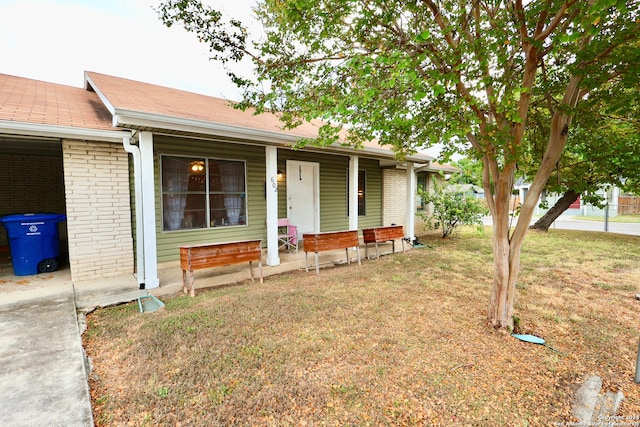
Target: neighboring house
{"type": "Point", "coordinates": [579, 207]}
{"type": "Point", "coordinates": [140, 169]}
{"type": "Point", "coordinates": [470, 189]}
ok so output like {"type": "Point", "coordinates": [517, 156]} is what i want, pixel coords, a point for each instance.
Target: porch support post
{"type": "Point", "coordinates": [145, 142]}
{"type": "Point", "coordinates": [353, 192]}
{"type": "Point", "coordinates": [409, 230]}
{"type": "Point", "coordinates": [271, 159]}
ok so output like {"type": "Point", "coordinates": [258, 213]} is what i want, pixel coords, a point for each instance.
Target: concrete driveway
{"type": "Point", "coordinates": [43, 368]}
{"type": "Point", "coordinates": [43, 379]}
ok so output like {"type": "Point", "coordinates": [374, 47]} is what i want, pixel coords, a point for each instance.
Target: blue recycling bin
{"type": "Point", "coordinates": [33, 242]}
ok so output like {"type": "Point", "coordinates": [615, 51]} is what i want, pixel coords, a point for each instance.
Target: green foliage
{"type": "Point", "coordinates": [163, 391]}
{"type": "Point", "coordinates": [413, 74]}
{"type": "Point", "coordinates": [470, 172]}
{"type": "Point", "coordinates": [602, 145]}
{"type": "Point", "coordinates": [226, 39]}
{"type": "Point", "coordinates": [452, 207]}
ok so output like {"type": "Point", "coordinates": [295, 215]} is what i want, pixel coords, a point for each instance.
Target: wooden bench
{"type": "Point", "coordinates": [208, 255]}
{"type": "Point", "coordinates": [382, 234]}
{"type": "Point", "coordinates": [318, 242]}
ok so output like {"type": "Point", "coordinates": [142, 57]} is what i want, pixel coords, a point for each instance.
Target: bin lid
{"type": "Point", "coordinates": [33, 217]}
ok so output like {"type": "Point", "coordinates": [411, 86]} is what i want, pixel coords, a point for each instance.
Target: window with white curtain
{"type": "Point", "coordinates": [200, 192]}
{"type": "Point", "coordinates": [422, 182]}
{"type": "Point", "coordinates": [362, 192]}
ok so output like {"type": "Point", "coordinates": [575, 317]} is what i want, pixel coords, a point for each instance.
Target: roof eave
{"type": "Point", "coordinates": [141, 121]}
{"type": "Point", "coordinates": [62, 132]}
{"type": "Point", "coordinates": [435, 168]}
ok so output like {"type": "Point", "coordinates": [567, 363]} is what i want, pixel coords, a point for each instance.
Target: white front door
{"type": "Point", "coordinates": [303, 196]}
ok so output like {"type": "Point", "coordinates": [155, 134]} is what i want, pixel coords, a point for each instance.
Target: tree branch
{"type": "Point", "coordinates": [521, 23]}
{"type": "Point", "coordinates": [557, 19]}
{"type": "Point", "coordinates": [442, 23]}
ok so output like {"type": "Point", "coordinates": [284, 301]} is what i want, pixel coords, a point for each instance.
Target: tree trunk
{"type": "Point", "coordinates": [506, 264]}
{"type": "Point", "coordinates": [507, 243]}
{"type": "Point", "coordinates": [552, 214]}
{"type": "Point", "coordinates": [506, 254]}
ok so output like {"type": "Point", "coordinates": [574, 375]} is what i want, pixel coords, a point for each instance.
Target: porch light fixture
{"type": "Point", "coordinates": [197, 166]}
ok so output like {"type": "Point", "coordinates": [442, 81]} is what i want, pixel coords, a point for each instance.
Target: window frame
{"type": "Point", "coordinates": [362, 180]}
{"type": "Point", "coordinates": [420, 204]}
{"type": "Point", "coordinates": [206, 193]}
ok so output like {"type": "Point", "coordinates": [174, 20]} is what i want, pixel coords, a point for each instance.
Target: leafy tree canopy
{"type": "Point", "coordinates": [603, 146]}
{"type": "Point", "coordinates": [413, 73]}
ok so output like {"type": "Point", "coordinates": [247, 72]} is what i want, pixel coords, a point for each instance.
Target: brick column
{"type": "Point", "coordinates": [98, 209]}
{"type": "Point", "coordinates": [394, 190]}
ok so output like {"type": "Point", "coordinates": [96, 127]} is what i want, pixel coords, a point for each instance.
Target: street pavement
{"type": "Point", "coordinates": [589, 225]}
{"type": "Point", "coordinates": [572, 223]}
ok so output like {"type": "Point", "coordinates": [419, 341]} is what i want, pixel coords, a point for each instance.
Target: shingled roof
{"type": "Point", "coordinates": [33, 101]}
{"type": "Point", "coordinates": [142, 105]}
{"type": "Point", "coordinates": [123, 97]}
{"type": "Point", "coordinates": [115, 103]}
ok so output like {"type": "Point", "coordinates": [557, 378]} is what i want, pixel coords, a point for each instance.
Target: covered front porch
{"type": "Point", "coordinates": [123, 289]}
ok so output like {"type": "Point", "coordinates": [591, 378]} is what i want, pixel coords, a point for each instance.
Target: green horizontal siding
{"type": "Point", "coordinates": [333, 194]}
{"type": "Point", "coordinates": [373, 194]}
{"type": "Point", "coordinates": [169, 241]}
{"type": "Point", "coordinates": [333, 191]}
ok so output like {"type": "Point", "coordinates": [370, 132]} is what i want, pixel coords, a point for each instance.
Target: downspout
{"type": "Point", "coordinates": [134, 150]}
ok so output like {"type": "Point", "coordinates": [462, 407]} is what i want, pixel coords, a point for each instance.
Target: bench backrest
{"type": "Point", "coordinates": [383, 234]}
{"type": "Point", "coordinates": [330, 240]}
{"type": "Point", "coordinates": [193, 257]}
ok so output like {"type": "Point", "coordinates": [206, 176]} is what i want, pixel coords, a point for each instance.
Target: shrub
{"type": "Point", "coordinates": [452, 207]}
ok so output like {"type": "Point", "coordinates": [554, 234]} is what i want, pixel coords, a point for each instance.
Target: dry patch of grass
{"type": "Point", "coordinates": [401, 340]}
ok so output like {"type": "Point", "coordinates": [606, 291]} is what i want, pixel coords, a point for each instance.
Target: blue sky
{"type": "Point", "coordinates": [57, 40]}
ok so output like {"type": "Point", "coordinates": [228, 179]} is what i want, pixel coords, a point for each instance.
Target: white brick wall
{"type": "Point", "coordinates": [98, 209]}
{"type": "Point", "coordinates": [394, 206]}
{"type": "Point", "coordinates": [394, 190]}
